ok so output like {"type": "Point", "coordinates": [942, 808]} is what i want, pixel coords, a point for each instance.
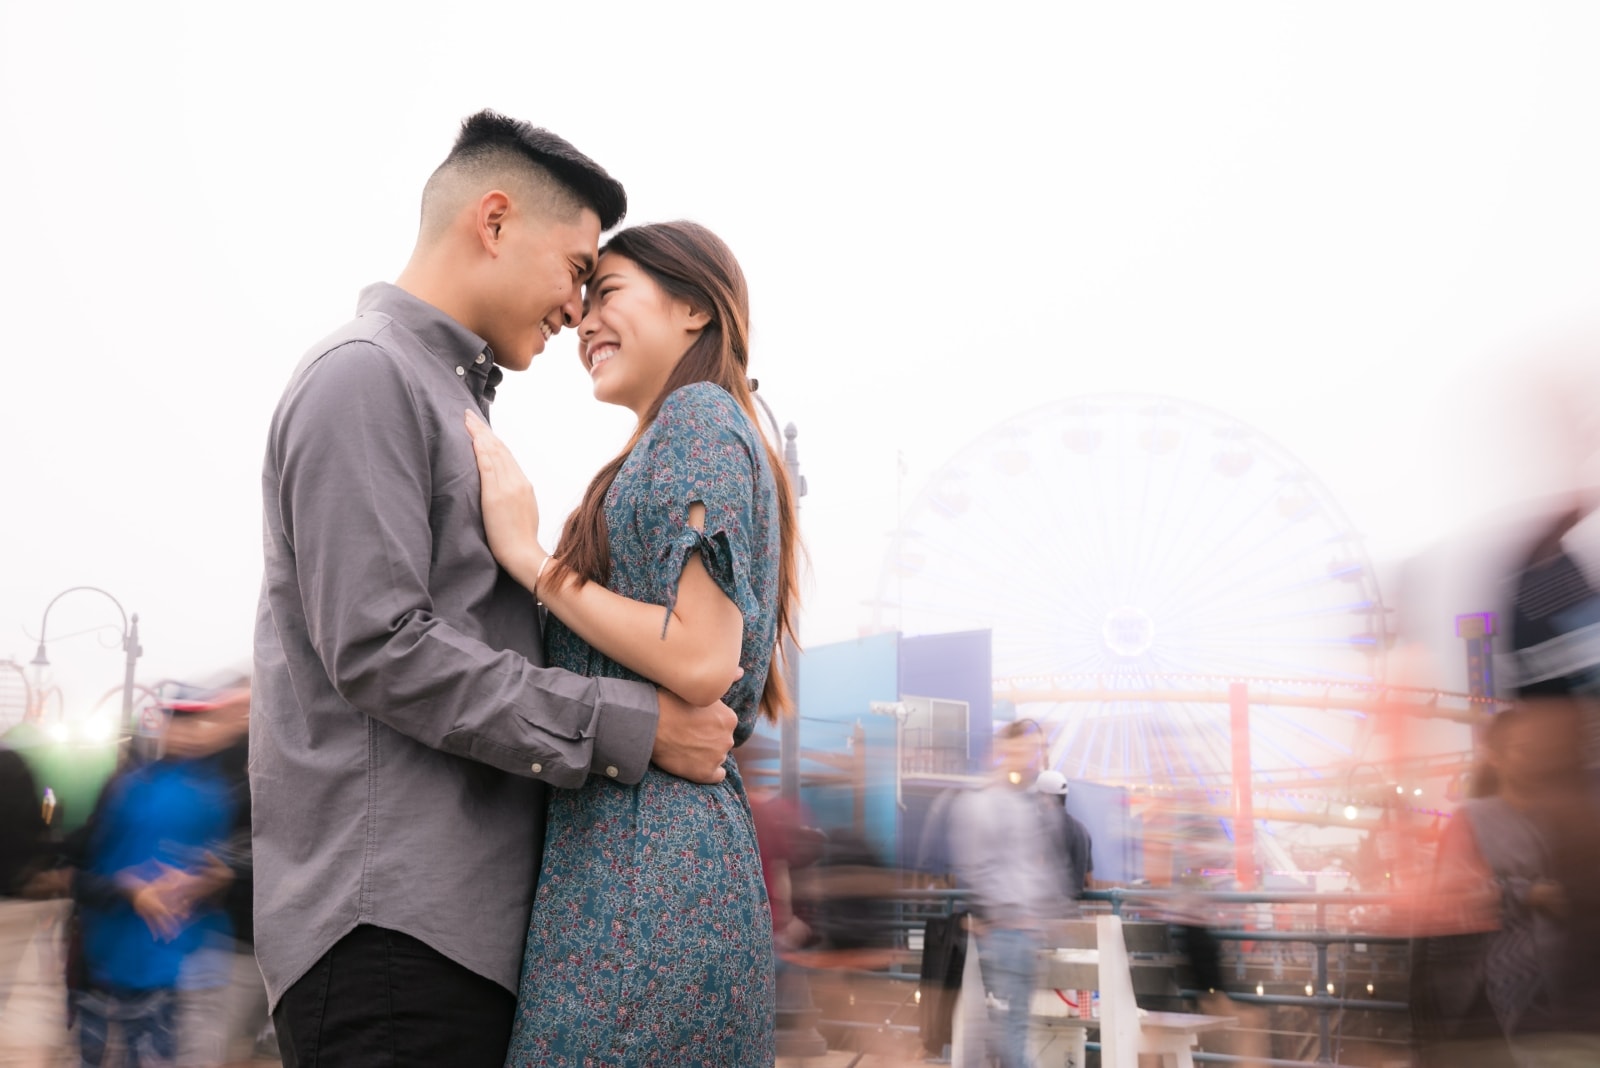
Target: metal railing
{"type": "Point", "coordinates": [913, 908]}
{"type": "Point", "coordinates": [1319, 937]}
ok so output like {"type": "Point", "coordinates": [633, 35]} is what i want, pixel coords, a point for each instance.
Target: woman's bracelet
{"type": "Point", "coordinates": [539, 575]}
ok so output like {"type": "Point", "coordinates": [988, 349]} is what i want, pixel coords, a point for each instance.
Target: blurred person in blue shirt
{"type": "Point", "coordinates": [147, 876]}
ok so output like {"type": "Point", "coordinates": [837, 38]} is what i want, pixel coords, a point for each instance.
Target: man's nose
{"type": "Point", "coordinates": [571, 313]}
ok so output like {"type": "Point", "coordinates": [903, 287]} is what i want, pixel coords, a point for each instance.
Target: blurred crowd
{"type": "Point", "coordinates": [128, 940]}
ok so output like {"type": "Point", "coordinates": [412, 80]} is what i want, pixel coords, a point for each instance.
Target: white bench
{"type": "Point", "coordinates": [1126, 1030]}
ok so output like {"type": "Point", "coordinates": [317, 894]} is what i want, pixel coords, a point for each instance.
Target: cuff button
{"type": "Point", "coordinates": [611, 770]}
{"type": "Point", "coordinates": [537, 768]}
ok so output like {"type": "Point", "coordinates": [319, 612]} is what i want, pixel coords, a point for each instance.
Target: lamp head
{"type": "Point", "coordinates": [39, 659]}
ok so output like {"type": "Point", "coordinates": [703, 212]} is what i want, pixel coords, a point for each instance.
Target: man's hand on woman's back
{"type": "Point", "coordinates": [692, 742]}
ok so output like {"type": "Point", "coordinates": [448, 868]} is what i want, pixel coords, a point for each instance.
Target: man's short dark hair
{"type": "Point", "coordinates": [1021, 728]}
{"type": "Point", "coordinates": [489, 137]}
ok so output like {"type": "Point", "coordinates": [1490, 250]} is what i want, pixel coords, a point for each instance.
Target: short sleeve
{"type": "Point", "coordinates": [702, 449]}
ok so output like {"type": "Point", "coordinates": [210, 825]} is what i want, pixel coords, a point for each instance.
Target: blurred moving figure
{"type": "Point", "coordinates": [1548, 759]}
{"type": "Point", "coordinates": [32, 1016]}
{"type": "Point", "coordinates": [1516, 910]}
{"type": "Point", "coordinates": [148, 870]}
{"type": "Point", "coordinates": [1199, 859]}
{"type": "Point", "coordinates": [222, 1004]}
{"type": "Point", "coordinates": [1007, 850]}
{"type": "Point", "coordinates": [1497, 914]}
{"type": "Point", "coordinates": [781, 838]}
{"type": "Point", "coordinates": [1075, 838]}
{"type": "Point", "coordinates": [847, 894]}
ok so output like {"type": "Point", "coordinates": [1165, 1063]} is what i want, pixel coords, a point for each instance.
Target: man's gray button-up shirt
{"type": "Point", "coordinates": [400, 704]}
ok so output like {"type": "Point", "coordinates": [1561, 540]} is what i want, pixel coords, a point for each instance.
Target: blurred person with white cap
{"type": "Point", "coordinates": [1075, 837]}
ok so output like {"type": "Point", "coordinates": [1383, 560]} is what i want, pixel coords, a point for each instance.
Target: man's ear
{"type": "Point", "coordinates": [494, 208]}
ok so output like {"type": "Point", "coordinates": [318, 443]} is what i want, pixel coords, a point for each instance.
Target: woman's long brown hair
{"type": "Point", "coordinates": [692, 264]}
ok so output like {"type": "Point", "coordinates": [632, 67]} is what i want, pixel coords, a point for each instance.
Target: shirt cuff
{"type": "Point", "coordinates": [625, 730]}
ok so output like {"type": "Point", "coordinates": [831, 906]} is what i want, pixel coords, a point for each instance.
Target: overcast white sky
{"type": "Point", "coordinates": [1344, 224]}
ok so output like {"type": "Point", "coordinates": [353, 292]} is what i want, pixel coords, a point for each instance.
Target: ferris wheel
{"type": "Point", "coordinates": [1127, 541]}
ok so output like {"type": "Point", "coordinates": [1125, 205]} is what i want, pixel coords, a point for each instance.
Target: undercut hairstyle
{"type": "Point", "coordinates": [545, 169]}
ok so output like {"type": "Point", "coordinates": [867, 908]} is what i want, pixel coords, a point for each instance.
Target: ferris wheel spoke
{"type": "Point", "coordinates": [1186, 548]}
{"type": "Point", "coordinates": [1138, 563]}
{"type": "Point", "coordinates": [1215, 738]}
{"type": "Point", "coordinates": [1248, 664]}
{"type": "Point", "coordinates": [1224, 520]}
{"type": "Point", "coordinates": [1262, 584]}
{"type": "Point", "coordinates": [1201, 586]}
{"type": "Point", "coordinates": [1197, 585]}
{"type": "Point", "coordinates": [1225, 589]}
{"type": "Point", "coordinates": [1253, 609]}
{"type": "Point", "coordinates": [1275, 622]}
{"type": "Point", "coordinates": [1295, 726]}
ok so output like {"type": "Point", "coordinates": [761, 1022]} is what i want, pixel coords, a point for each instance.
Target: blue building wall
{"type": "Point", "coordinates": [1114, 830]}
{"type": "Point", "coordinates": [838, 684]}
{"type": "Point", "coordinates": [955, 667]}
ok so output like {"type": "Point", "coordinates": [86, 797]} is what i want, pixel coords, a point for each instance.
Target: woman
{"type": "Point", "coordinates": [651, 940]}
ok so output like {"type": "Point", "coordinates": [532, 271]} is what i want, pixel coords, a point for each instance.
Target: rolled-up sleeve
{"type": "Point", "coordinates": [354, 500]}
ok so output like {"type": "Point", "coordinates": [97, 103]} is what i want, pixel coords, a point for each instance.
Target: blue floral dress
{"type": "Point", "coordinates": [651, 940]}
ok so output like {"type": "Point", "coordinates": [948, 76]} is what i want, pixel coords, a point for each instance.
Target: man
{"type": "Point", "coordinates": [1077, 843]}
{"type": "Point", "coordinates": [403, 729]}
{"type": "Point", "coordinates": [1006, 850]}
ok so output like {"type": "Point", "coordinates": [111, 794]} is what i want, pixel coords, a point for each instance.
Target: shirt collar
{"type": "Point", "coordinates": [444, 337]}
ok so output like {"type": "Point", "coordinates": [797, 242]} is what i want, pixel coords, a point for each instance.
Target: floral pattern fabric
{"type": "Point", "coordinates": [650, 942]}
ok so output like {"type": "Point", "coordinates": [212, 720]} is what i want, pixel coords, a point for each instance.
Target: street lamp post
{"type": "Point", "coordinates": [797, 1014]}
{"type": "Point", "coordinates": [130, 646]}
{"type": "Point", "coordinates": [789, 727]}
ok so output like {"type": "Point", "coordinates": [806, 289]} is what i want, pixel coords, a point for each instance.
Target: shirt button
{"type": "Point", "coordinates": [611, 770]}
{"type": "Point", "coordinates": [480, 359]}
{"type": "Point", "coordinates": [461, 370]}
{"type": "Point", "coordinates": [537, 768]}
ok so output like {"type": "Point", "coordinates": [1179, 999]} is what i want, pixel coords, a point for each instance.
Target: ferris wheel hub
{"type": "Point", "coordinates": [1128, 632]}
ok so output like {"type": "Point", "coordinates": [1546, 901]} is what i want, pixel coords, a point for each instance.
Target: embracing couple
{"type": "Point", "coordinates": [486, 834]}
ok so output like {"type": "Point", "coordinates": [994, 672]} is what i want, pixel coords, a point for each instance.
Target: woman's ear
{"type": "Point", "coordinates": [690, 318]}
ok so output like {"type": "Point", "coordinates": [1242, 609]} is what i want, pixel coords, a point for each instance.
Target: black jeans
{"type": "Point", "coordinates": [382, 998]}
